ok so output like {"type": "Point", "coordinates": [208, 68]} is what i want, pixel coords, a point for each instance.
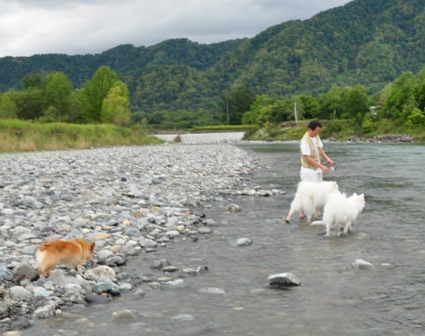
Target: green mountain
{"type": "Point", "coordinates": [367, 42]}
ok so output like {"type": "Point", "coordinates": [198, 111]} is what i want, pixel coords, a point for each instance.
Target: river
{"type": "Point", "coordinates": [334, 298]}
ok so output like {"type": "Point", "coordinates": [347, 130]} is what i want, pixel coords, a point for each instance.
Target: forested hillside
{"type": "Point", "coordinates": [366, 42]}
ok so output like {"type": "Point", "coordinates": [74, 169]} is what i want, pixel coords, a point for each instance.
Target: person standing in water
{"type": "Point", "coordinates": [313, 156]}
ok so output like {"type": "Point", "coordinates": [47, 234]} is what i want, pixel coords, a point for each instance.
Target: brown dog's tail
{"type": "Point", "coordinates": [39, 256]}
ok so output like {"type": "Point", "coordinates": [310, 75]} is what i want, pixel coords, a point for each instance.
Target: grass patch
{"type": "Point", "coordinates": [18, 135]}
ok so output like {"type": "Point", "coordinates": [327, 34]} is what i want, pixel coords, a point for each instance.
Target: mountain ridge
{"type": "Point", "coordinates": [366, 42]}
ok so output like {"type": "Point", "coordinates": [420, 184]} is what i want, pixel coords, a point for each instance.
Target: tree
{"type": "Point", "coordinates": [416, 120]}
{"type": "Point", "coordinates": [29, 103]}
{"type": "Point", "coordinates": [355, 102]}
{"type": "Point", "coordinates": [8, 109]}
{"type": "Point", "coordinates": [331, 103]}
{"type": "Point", "coordinates": [278, 109]}
{"type": "Point", "coordinates": [32, 81]}
{"type": "Point", "coordinates": [251, 116]}
{"type": "Point", "coordinates": [96, 91]}
{"type": "Point", "coordinates": [419, 90]}
{"type": "Point", "coordinates": [115, 106]}
{"type": "Point", "coordinates": [235, 104]}
{"type": "Point", "coordinates": [56, 91]}
{"type": "Point", "coordinates": [311, 107]}
{"type": "Point", "coordinates": [138, 117]}
{"type": "Point", "coordinates": [401, 100]}
{"type": "Point", "coordinates": [77, 101]}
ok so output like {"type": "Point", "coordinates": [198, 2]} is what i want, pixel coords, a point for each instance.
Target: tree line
{"type": "Point", "coordinates": [105, 99]}
{"type": "Point", "coordinates": [402, 102]}
{"type": "Point", "coordinates": [51, 98]}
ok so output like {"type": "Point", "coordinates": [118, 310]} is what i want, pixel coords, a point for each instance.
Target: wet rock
{"type": "Point", "coordinates": [363, 265]}
{"type": "Point", "coordinates": [138, 293]}
{"type": "Point", "coordinates": [123, 316]}
{"type": "Point", "coordinates": [233, 208]}
{"type": "Point", "coordinates": [264, 193]}
{"type": "Point", "coordinates": [284, 280]}
{"type": "Point", "coordinates": [115, 261]}
{"type": "Point", "coordinates": [244, 242]}
{"type": "Point", "coordinates": [183, 317]}
{"type": "Point", "coordinates": [205, 230]}
{"type": "Point", "coordinates": [20, 324]}
{"type": "Point", "coordinates": [211, 290]}
{"type": "Point", "coordinates": [96, 298]}
{"type": "Point", "coordinates": [106, 286]}
{"type": "Point", "coordinates": [170, 269]}
{"type": "Point", "coordinates": [201, 269]}
{"type": "Point", "coordinates": [45, 311]}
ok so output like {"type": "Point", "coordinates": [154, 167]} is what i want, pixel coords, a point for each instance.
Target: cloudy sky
{"type": "Point", "coordinates": [29, 27]}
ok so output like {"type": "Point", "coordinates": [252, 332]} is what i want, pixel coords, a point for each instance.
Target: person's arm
{"type": "Point", "coordinates": [316, 164]}
{"type": "Point", "coordinates": [325, 157]}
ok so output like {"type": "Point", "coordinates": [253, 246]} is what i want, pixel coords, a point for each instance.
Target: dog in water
{"type": "Point", "coordinates": [311, 196]}
{"type": "Point", "coordinates": [71, 252]}
{"type": "Point", "coordinates": [340, 209]}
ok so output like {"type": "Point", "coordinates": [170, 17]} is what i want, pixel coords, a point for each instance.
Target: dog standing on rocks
{"type": "Point", "coordinates": [71, 252]}
{"type": "Point", "coordinates": [311, 196]}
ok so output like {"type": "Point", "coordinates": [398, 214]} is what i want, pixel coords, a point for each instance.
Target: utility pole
{"type": "Point", "coordinates": [296, 113]}
{"type": "Point", "coordinates": [227, 96]}
{"type": "Point", "coordinates": [227, 110]}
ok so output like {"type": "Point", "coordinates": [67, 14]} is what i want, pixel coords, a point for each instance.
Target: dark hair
{"type": "Point", "coordinates": [313, 124]}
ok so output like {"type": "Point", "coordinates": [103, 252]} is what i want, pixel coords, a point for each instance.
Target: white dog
{"type": "Point", "coordinates": [311, 196]}
{"type": "Point", "coordinates": [341, 210]}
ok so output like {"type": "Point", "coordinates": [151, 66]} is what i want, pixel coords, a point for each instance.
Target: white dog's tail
{"type": "Point", "coordinates": [318, 223]}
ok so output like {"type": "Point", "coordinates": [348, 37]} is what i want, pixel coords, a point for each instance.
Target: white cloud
{"type": "Point", "coordinates": [72, 27]}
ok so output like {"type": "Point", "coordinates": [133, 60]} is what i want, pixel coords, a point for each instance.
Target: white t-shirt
{"type": "Point", "coordinates": [305, 149]}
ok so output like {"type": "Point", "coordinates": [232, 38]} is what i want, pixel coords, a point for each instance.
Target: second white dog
{"type": "Point", "coordinates": [311, 196]}
{"type": "Point", "coordinates": [340, 209]}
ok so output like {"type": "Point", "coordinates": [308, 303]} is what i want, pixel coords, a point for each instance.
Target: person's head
{"type": "Point", "coordinates": [314, 128]}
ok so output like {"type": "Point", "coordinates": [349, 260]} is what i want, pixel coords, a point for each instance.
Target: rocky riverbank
{"type": "Point", "coordinates": [129, 200]}
{"type": "Point", "coordinates": [379, 138]}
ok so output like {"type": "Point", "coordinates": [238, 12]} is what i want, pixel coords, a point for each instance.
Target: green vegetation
{"type": "Point", "coordinates": [367, 42]}
{"type": "Point", "coordinates": [18, 135]}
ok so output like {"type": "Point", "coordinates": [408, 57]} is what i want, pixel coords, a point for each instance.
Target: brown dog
{"type": "Point", "coordinates": [71, 252]}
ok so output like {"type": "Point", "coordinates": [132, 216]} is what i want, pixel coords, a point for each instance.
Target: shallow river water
{"type": "Point", "coordinates": [333, 299]}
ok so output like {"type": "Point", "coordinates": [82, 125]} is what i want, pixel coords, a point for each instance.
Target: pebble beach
{"type": "Point", "coordinates": [128, 200]}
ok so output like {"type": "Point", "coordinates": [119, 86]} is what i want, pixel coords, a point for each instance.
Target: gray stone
{"type": "Point", "coordinates": [244, 242]}
{"type": "Point", "coordinates": [363, 265]}
{"type": "Point", "coordinates": [19, 293]}
{"type": "Point", "coordinates": [97, 299]}
{"type": "Point", "coordinates": [45, 311]}
{"type": "Point", "coordinates": [233, 208]}
{"type": "Point", "coordinates": [133, 232]}
{"type": "Point", "coordinates": [25, 271]}
{"type": "Point", "coordinates": [284, 279]}
{"type": "Point", "coordinates": [123, 316]}
{"type": "Point", "coordinates": [211, 290]}
{"type": "Point", "coordinates": [100, 272]}
{"type": "Point", "coordinates": [106, 286]}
